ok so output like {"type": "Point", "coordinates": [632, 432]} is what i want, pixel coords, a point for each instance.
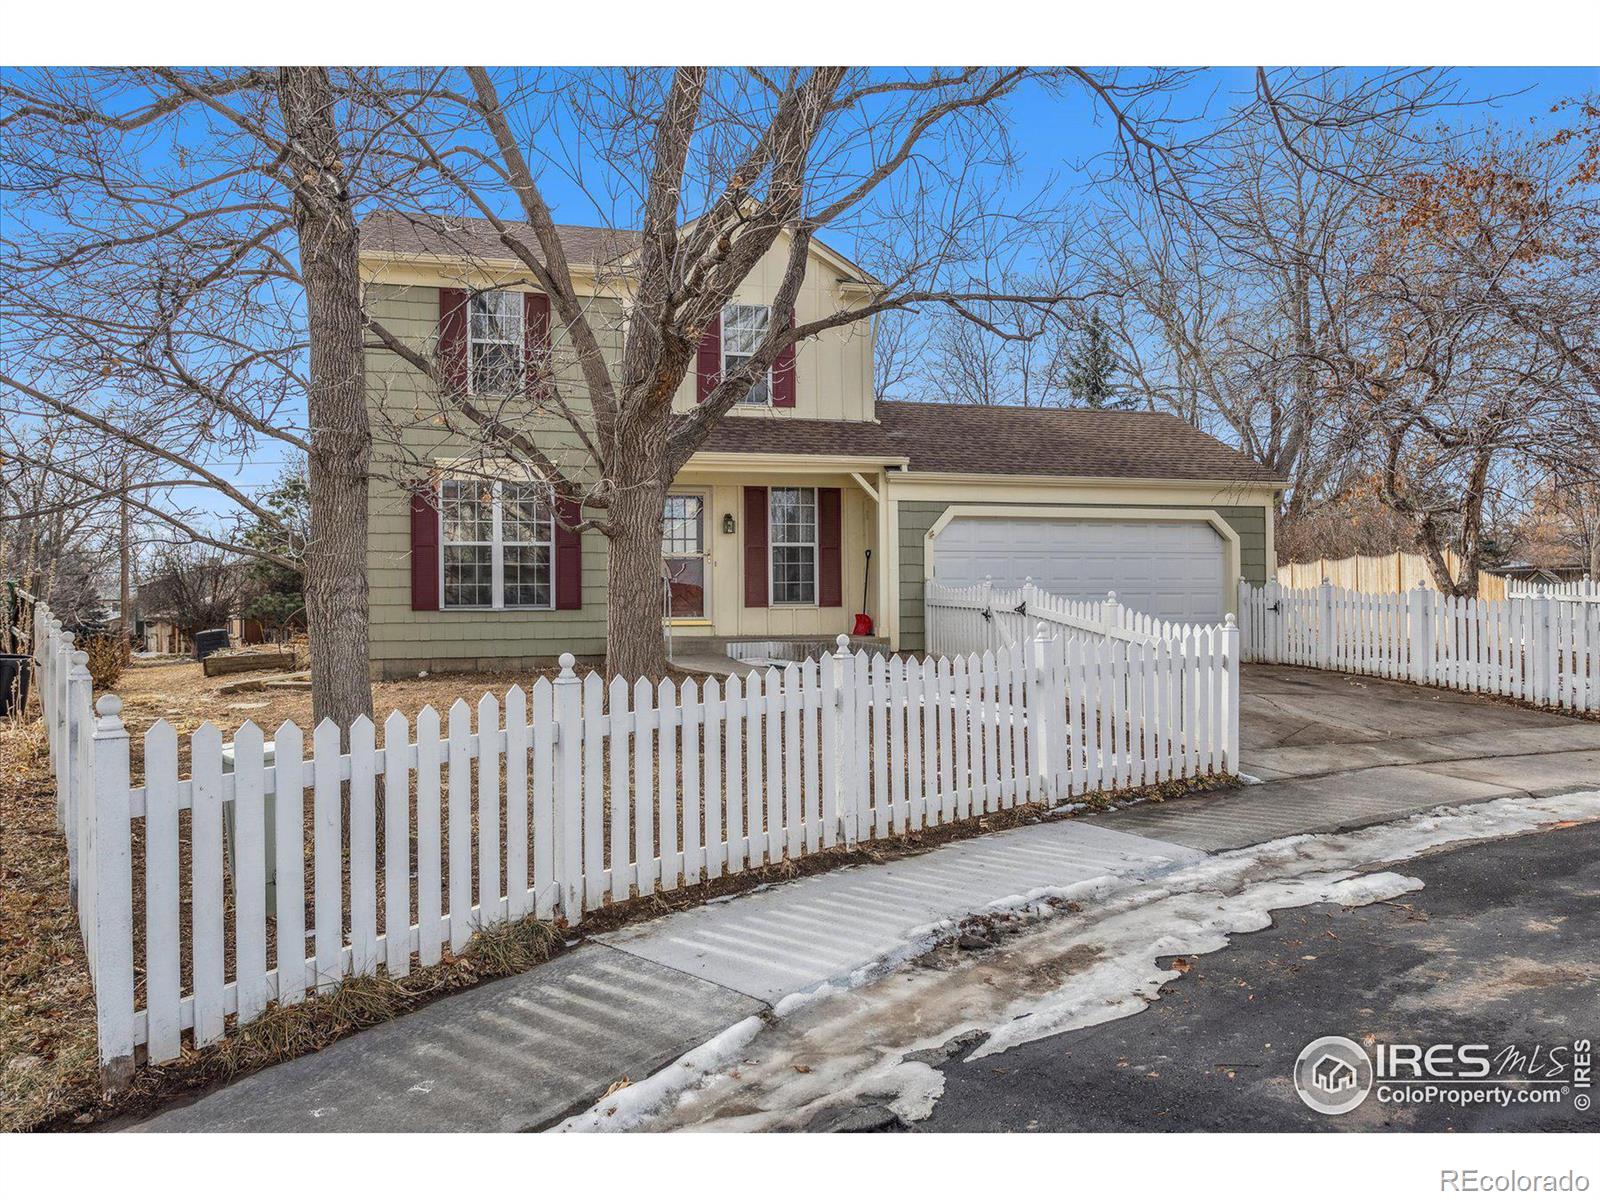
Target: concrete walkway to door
{"type": "Point", "coordinates": [1335, 751]}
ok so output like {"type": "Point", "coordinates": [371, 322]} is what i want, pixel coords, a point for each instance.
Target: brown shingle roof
{"type": "Point", "coordinates": [1000, 440]}
{"type": "Point", "coordinates": [475, 238]}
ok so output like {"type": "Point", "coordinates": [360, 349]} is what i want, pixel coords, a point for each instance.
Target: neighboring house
{"type": "Point", "coordinates": [768, 526]}
{"type": "Point", "coordinates": [1527, 572]}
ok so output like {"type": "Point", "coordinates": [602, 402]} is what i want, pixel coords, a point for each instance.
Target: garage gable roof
{"type": "Point", "coordinates": [976, 439]}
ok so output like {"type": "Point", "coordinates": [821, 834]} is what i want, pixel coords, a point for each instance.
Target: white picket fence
{"type": "Point", "coordinates": [1576, 589]}
{"type": "Point", "coordinates": [1544, 649]}
{"type": "Point", "coordinates": [301, 863]}
{"type": "Point", "coordinates": [971, 619]}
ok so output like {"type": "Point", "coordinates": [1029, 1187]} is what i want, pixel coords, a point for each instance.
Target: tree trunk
{"type": "Point", "coordinates": [341, 437]}
{"type": "Point", "coordinates": [634, 647]}
{"type": "Point", "coordinates": [125, 566]}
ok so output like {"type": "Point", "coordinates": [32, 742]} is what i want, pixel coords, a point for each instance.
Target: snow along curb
{"type": "Point", "coordinates": [1183, 910]}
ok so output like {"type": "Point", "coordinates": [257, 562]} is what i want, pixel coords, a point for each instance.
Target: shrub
{"type": "Point", "coordinates": [106, 660]}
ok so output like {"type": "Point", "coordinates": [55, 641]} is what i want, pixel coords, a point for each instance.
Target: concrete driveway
{"type": "Point", "coordinates": [1335, 751]}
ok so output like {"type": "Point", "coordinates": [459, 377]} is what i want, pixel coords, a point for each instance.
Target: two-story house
{"type": "Point", "coordinates": [768, 528]}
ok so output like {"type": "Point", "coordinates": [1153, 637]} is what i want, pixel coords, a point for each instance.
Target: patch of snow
{"type": "Point", "coordinates": [1125, 979]}
{"type": "Point", "coordinates": [878, 1041]}
{"type": "Point", "coordinates": [1246, 779]}
{"type": "Point", "coordinates": [631, 1106]}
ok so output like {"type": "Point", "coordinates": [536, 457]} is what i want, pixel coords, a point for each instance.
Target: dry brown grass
{"type": "Point", "coordinates": [47, 1035]}
{"type": "Point", "coordinates": [177, 691]}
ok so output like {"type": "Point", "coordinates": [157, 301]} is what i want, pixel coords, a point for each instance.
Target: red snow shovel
{"type": "Point", "coordinates": [863, 625]}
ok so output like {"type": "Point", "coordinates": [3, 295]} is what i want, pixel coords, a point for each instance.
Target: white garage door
{"type": "Point", "coordinates": [1173, 569]}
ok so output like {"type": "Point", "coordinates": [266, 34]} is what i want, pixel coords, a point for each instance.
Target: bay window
{"type": "Point", "coordinates": [792, 543]}
{"type": "Point", "coordinates": [497, 543]}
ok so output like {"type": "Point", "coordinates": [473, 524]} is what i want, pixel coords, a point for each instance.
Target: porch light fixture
{"type": "Point", "coordinates": [727, 522]}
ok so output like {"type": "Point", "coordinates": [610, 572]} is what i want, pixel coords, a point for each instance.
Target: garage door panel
{"type": "Point", "coordinates": [1173, 569]}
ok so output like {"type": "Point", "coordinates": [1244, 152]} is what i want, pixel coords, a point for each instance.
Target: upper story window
{"type": "Point", "coordinates": [497, 544]}
{"type": "Point", "coordinates": [744, 327]}
{"type": "Point", "coordinates": [494, 343]}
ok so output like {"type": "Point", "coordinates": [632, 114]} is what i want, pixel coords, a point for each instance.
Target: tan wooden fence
{"type": "Point", "coordinates": [1381, 574]}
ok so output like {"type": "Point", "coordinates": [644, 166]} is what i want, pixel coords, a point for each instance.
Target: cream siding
{"type": "Point", "coordinates": [833, 379]}
{"type": "Point", "coordinates": [729, 616]}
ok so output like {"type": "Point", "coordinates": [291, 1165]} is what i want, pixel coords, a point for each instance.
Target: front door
{"type": "Point", "coordinates": [683, 550]}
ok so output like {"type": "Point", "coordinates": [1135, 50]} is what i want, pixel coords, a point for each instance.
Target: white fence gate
{"type": "Point", "coordinates": [300, 863]}
{"type": "Point", "coordinates": [971, 619]}
{"type": "Point", "coordinates": [1543, 649]}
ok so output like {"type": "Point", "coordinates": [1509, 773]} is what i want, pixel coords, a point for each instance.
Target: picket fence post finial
{"type": "Point", "coordinates": [1325, 646]}
{"type": "Point", "coordinates": [80, 689]}
{"type": "Point", "coordinates": [109, 862]}
{"type": "Point", "coordinates": [568, 788]}
{"type": "Point", "coordinates": [1233, 667]}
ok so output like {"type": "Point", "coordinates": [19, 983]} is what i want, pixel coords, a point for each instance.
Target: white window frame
{"type": "Point", "coordinates": [704, 556]}
{"type": "Point", "coordinates": [518, 315]}
{"type": "Point", "coordinates": [814, 543]}
{"type": "Point", "coordinates": [744, 401]}
{"type": "Point", "coordinates": [497, 545]}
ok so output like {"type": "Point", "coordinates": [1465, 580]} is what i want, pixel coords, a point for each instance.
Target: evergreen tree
{"type": "Point", "coordinates": [277, 593]}
{"type": "Point", "coordinates": [1090, 371]}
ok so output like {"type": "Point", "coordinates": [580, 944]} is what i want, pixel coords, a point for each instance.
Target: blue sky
{"type": "Point", "coordinates": [1057, 134]}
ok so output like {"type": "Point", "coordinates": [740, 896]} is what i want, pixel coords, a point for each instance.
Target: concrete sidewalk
{"type": "Point", "coordinates": [520, 1053]}
{"type": "Point", "coordinates": [1337, 751]}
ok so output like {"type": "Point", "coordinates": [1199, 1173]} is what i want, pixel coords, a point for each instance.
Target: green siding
{"type": "Point", "coordinates": [407, 437]}
{"type": "Point", "coordinates": [919, 516]}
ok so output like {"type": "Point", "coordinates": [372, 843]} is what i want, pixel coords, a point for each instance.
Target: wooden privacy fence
{"type": "Point", "coordinates": [1383, 574]}
{"type": "Point", "coordinates": [1543, 649]}
{"type": "Point", "coordinates": [277, 869]}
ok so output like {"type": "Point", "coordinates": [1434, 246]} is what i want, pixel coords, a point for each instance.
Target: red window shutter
{"type": "Point", "coordinates": [830, 568]}
{"type": "Point", "coordinates": [784, 378]}
{"type": "Point", "coordinates": [569, 557]}
{"type": "Point", "coordinates": [708, 361]}
{"type": "Point", "coordinates": [536, 343]}
{"type": "Point", "coordinates": [424, 552]}
{"type": "Point", "coordinates": [755, 547]}
{"type": "Point", "coordinates": [453, 338]}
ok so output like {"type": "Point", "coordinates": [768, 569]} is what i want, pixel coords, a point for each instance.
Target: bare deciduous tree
{"type": "Point", "coordinates": [1464, 398]}
{"type": "Point", "coordinates": [182, 246]}
{"type": "Point", "coordinates": [714, 170]}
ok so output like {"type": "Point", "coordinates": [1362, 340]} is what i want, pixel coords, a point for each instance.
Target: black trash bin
{"type": "Point", "coordinates": [209, 641]}
{"type": "Point", "coordinates": [16, 674]}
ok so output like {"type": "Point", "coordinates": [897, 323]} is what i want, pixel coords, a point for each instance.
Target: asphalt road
{"type": "Point", "coordinates": [1501, 946]}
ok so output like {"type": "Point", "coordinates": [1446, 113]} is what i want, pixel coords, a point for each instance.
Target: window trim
{"type": "Point", "coordinates": [518, 345]}
{"type": "Point", "coordinates": [816, 551]}
{"type": "Point", "coordinates": [722, 352]}
{"type": "Point", "coordinates": [497, 546]}
{"type": "Point", "coordinates": [704, 496]}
